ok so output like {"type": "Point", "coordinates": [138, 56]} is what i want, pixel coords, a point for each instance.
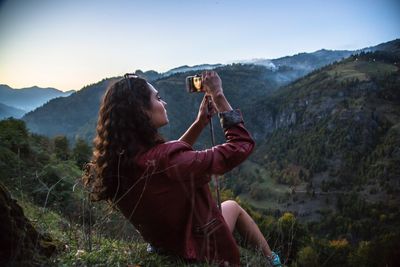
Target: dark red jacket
{"type": "Point", "coordinates": [170, 204]}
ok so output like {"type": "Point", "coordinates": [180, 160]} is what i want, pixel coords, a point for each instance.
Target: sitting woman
{"type": "Point", "coordinates": [162, 187]}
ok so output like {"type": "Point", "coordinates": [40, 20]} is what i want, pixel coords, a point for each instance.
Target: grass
{"type": "Point", "coordinates": [360, 70]}
{"type": "Point", "coordinates": [348, 71]}
{"type": "Point", "coordinates": [45, 220]}
{"type": "Point", "coordinates": [255, 169]}
{"type": "Point", "coordinates": [273, 191]}
{"type": "Point", "coordinates": [109, 252]}
{"type": "Point", "coordinates": [74, 249]}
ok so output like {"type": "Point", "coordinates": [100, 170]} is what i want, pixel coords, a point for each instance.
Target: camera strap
{"type": "Point", "coordinates": [215, 177]}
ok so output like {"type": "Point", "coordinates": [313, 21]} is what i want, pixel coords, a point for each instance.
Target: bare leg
{"type": "Point", "coordinates": [236, 216]}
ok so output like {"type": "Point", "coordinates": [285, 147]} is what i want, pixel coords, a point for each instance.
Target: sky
{"type": "Point", "coordinates": [67, 44]}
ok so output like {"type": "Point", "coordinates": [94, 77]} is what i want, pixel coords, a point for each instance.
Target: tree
{"type": "Point", "coordinates": [61, 147]}
{"type": "Point", "coordinates": [81, 152]}
{"type": "Point", "coordinates": [14, 148]}
{"type": "Point", "coordinates": [14, 136]}
{"type": "Point", "coordinates": [290, 235]}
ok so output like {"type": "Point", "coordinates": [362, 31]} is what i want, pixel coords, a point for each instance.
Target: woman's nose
{"type": "Point", "coordinates": [164, 103]}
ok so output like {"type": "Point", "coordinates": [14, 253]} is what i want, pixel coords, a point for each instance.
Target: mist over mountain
{"type": "Point", "coordinates": [290, 68]}
{"type": "Point", "coordinates": [7, 111]}
{"type": "Point", "coordinates": [28, 99]}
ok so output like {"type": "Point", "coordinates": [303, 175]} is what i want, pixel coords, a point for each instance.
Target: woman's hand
{"type": "Point", "coordinates": [204, 115]}
{"type": "Point", "coordinates": [213, 86]}
{"type": "Point", "coordinates": [212, 83]}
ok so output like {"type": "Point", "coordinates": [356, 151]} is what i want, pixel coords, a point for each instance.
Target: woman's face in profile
{"type": "Point", "coordinates": [157, 112]}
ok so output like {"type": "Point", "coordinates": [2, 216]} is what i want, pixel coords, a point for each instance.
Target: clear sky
{"type": "Point", "coordinates": [71, 43]}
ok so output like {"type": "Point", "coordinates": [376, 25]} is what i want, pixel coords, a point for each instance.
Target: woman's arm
{"type": "Point", "coordinates": [192, 133]}
{"type": "Point", "coordinates": [203, 118]}
{"type": "Point", "coordinates": [182, 163]}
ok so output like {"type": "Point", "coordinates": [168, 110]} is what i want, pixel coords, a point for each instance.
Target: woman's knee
{"type": "Point", "coordinates": [230, 212]}
{"type": "Point", "coordinates": [231, 207]}
{"type": "Point", "coordinates": [232, 204]}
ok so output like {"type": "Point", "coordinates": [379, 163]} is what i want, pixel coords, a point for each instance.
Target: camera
{"type": "Point", "coordinates": [194, 84]}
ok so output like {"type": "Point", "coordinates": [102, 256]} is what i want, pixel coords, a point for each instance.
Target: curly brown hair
{"type": "Point", "coordinates": [123, 130]}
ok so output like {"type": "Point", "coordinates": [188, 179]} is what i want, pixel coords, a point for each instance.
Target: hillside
{"type": "Point", "coordinates": [333, 132]}
{"type": "Point", "coordinates": [43, 177]}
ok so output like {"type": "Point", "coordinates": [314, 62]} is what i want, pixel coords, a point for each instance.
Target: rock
{"type": "Point", "coordinates": [20, 243]}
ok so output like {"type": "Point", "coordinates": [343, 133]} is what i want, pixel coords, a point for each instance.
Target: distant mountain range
{"type": "Point", "coordinates": [285, 69]}
{"type": "Point", "coordinates": [281, 72]}
{"type": "Point", "coordinates": [245, 82]}
{"type": "Point", "coordinates": [16, 102]}
{"type": "Point", "coordinates": [304, 61]}
{"type": "Point", "coordinates": [7, 111]}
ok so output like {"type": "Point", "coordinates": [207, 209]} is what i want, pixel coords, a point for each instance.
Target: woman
{"type": "Point", "coordinates": [162, 187]}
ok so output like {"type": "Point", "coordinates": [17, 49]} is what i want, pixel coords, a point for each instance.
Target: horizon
{"type": "Point", "coordinates": [70, 44]}
{"type": "Point", "coordinates": [237, 61]}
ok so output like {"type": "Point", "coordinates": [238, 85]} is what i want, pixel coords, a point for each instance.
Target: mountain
{"type": "Point", "coordinates": [303, 61]}
{"type": "Point", "coordinates": [388, 46]}
{"type": "Point", "coordinates": [243, 84]}
{"type": "Point", "coordinates": [239, 80]}
{"type": "Point", "coordinates": [66, 115]}
{"type": "Point", "coordinates": [149, 75]}
{"type": "Point", "coordinates": [310, 61]}
{"type": "Point", "coordinates": [28, 99]}
{"type": "Point", "coordinates": [7, 111]}
{"type": "Point", "coordinates": [76, 115]}
{"type": "Point", "coordinates": [290, 68]}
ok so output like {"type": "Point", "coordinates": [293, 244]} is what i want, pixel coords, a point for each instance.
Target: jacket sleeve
{"type": "Point", "coordinates": [184, 163]}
